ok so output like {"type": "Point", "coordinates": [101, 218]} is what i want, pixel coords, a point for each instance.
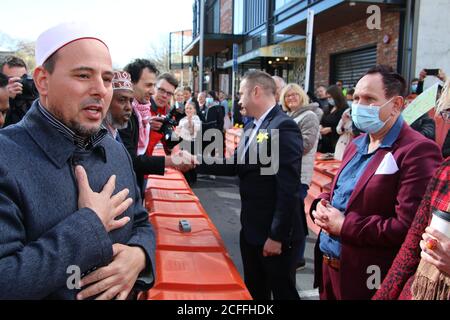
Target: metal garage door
{"type": "Point", "coordinates": [351, 66]}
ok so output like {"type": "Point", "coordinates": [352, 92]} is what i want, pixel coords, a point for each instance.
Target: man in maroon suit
{"type": "Point", "coordinates": [376, 193]}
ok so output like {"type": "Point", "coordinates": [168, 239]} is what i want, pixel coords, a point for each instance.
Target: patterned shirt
{"type": "Point", "coordinates": [81, 142]}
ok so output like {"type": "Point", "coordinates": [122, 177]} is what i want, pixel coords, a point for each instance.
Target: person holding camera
{"type": "Point", "coordinates": [21, 89]}
{"type": "Point", "coordinates": [136, 135]}
{"type": "Point", "coordinates": [438, 73]}
{"type": "Point", "coordinates": [160, 124]}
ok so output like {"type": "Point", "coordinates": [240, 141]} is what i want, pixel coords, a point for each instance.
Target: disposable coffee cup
{"type": "Point", "coordinates": [441, 222]}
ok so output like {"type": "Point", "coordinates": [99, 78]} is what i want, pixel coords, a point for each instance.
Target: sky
{"type": "Point", "coordinates": [131, 27]}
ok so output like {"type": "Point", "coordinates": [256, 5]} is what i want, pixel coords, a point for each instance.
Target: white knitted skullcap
{"type": "Point", "coordinates": [61, 35]}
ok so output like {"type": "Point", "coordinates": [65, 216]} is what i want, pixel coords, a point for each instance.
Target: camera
{"type": "Point", "coordinates": [29, 92]}
{"type": "Point", "coordinates": [20, 105]}
{"type": "Point", "coordinates": [167, 129]}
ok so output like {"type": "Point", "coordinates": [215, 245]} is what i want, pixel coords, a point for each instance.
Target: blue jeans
{"type": "Point", "coordinates": [303, 193]}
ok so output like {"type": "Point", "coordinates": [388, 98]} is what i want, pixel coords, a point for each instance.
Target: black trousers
{"type": "Point", "coordinates": [265, 276]}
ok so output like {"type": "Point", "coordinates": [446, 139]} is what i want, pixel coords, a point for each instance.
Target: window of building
{"type": "Point", "coordinates": [281, 3]}
{"type": "Point", "coordinates": [238, 16]}
{"type": "Point", "coordinates": [255, 13]}
{"type": "Point", "coordinates": [213, 16]}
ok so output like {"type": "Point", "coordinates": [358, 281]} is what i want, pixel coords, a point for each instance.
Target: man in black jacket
{"type": "Point", "coordinates": [21, 88]}
{"type": "Point", "coordinates": [272, 229]}
{"type": "Point", "coordinates": [143, 76]}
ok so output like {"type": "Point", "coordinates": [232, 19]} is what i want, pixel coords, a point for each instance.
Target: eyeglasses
{"type": "Point", "coordinates": [165, 92]}
{"type": "Point", "coordinates": [446, 115]}
{"type": "Point", "coordinates": [292, 95]}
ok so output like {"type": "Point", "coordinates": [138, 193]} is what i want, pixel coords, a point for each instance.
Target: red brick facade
{"type": "Point", "coordinates": [226, 16]}
{"type": "Point", "coordinates": [355, 36]}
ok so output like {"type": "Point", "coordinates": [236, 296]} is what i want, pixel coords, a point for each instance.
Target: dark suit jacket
{"type": "Point", "coordinates": [380, 211]}
{"type": "Point", "coordinates": [331, 120]}
{"type": "Point", "coordinates": [212, 118]}
{"type": "Point", "coordinates": [143, 165]}
{"type": "Point", "coordinates": [270, 203]}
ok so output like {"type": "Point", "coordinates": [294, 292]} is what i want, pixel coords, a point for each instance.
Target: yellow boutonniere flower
{"type": "Point", "coordinates": [262, 137]}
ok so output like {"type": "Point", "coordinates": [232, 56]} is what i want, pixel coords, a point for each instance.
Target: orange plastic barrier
{"type": "Point", "coordinates": [324, 173]}
{"type": "Point", "coordinates": [169, 195]}
{"type": "Point", "coordinates": [170, 174]}
{"type": "Point", "coordinates": [208, 271]}
{"type": "Point", "coordinates": [191, 264]}
{"type": "Point", "coordinates": [169, 208]}
{"type": "Point", "coordinates": [168, 184]}
{"type": "Point", "coordinates": [196, 294]}
{"type": "Point", "coordinates": [202, 238]}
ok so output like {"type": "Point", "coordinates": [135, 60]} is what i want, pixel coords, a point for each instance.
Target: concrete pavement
{"type": "Point", "coordinates": [221, 200]}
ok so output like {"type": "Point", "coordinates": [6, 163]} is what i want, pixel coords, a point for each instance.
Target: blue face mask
{"type": "Point", "coordinates": [414, 88]}
{"type": "Point", "coordinates": [367, 118]}
{"type": "Point", "coordinates": [209, 101]}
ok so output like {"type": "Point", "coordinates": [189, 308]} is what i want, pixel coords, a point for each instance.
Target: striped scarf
{"type": "Point", "coordinates": [143, 113]}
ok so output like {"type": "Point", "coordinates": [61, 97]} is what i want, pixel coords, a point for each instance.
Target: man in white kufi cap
{"type": "Point", "coordinates": [59, 226]}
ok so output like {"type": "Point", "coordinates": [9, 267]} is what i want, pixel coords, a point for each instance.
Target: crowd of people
{"type": "Point", "coordinates": [78, 143]}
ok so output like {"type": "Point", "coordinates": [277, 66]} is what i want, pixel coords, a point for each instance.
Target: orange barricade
{"type": "Point", "coordinates": [324, 173]}
{"type": "Point", "coordinates": [170, 174]}
{"type": "Point", "coordinates": [166, 184]}
{"type": "Point", "coordinates": [169, 195]}
{"type": "Point", "coordinates": [202, 238]}
{"type": "Point", "coordinates": [191, 264]}
{"type": "Point", "coordinates": [197, 294]}
{"type": "Point", "coordinates": [209, 271]}
{"type": "Point", "coordinates": [169, 208]}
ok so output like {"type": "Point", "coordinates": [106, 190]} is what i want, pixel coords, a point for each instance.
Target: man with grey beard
{"type": "Point", "coordinates": [120, 118]}
{"type": "Point", "coordinates": [120, 109]}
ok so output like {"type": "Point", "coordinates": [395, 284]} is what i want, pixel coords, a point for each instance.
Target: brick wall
{"type": "Point", "coordinates": [226, 16]}
{"type": "Point", "coordinates": [355, 36]}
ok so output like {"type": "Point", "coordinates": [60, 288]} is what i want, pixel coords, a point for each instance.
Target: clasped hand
{"type": "Point", "coordinates": [328, 218]}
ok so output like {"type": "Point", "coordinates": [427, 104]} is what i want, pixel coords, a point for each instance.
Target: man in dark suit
{"type": "Point", "coordinates": [272, 230]}
{"type": "Point", "coordinates": [376, 193]}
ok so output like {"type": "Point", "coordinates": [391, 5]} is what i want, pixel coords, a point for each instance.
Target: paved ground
{"type": "Point", "coordinates": [221, 200]}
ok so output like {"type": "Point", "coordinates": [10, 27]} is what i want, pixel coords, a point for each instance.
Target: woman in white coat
{"type": "Point", "coordinates": [296, 103]}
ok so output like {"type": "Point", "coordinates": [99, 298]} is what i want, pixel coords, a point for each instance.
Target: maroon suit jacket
{"type": "Point", "coordinates": [380, 211]}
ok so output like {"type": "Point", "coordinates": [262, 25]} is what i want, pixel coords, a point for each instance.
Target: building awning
{"type": "Point", "coordinates": [294, 49]}
{"type": "Point", "coordinates": [214, 43]}
{"type": "Point", "coordinates": [329, 15]}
